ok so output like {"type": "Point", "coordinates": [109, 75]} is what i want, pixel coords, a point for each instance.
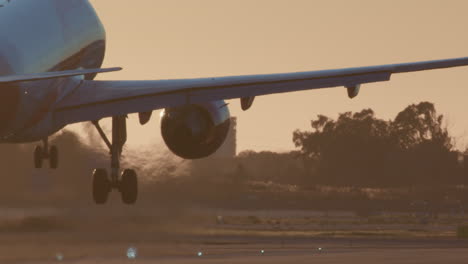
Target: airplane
{"type": "Point", "coordinates": [52, 50]}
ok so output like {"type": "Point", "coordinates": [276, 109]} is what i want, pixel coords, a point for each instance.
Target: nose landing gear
{"type": "Point", "coordinates": [127, 183]}
{"type": "Point", "coordinates": [44, 152]}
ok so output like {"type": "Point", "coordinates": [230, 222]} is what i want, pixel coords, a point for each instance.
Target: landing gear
{"type": "Point", "coordinates": [101, 186]}
{"type": "Point", "coordinates": [127, 183]}
{"type": "Point", "coordinates": [53, 157]}
{"type": "Point", "coordinates": [38, 157]}
{"type": "Point", "coordinates": [44, 152]}
{"type": "Point", "coordinates": [129, 186]}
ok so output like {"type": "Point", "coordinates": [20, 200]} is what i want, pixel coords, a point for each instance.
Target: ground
{"type": "Point", "coordinates": [178, 235]}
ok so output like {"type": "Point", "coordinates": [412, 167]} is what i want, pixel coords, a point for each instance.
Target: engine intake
{"type": "Point", "coordinates": [195, 131]}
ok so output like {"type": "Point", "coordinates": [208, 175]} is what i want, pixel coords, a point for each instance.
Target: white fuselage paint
{"type": "Point", "coordinates": [40, 36]}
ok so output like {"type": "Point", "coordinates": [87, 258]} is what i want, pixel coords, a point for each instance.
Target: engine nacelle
{"type": "Point", "coordinates": [195, 131]}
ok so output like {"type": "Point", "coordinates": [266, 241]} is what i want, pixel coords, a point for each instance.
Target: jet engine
{"type": "Point", "coordinates": [195, 131]}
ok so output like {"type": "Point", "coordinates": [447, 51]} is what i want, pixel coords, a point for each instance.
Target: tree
{"type": "Point", "coordinates": [424, 144]}
{"type": "Point", "coordinates": [348, 150]}
{"type": "Point", "coordinates": [420, 123]}
{"type": "Point", "coordinates": [359, 149]}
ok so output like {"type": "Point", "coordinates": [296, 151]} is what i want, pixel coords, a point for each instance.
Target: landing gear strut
{"type": "Point", "coordinates": [127, 183]}
{"type": "Point", "coordinates": [45, 152]}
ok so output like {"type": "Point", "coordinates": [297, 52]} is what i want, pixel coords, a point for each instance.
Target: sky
{"type": "Point", "coordinates": [153, 39]}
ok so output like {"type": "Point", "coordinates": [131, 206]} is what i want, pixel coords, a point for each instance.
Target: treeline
{"type": "Point", "coordinates": [362, 150]}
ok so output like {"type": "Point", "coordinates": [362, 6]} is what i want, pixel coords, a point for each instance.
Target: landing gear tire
{"type": "Point", "coordinates": [53, 157]}
{"type": "Point", "coordinates": [38, 157]}
{"type": "Point", "coordinates": [44, 152]}
{"type": "Point", "coordinates": [127, 182]}
{"type": "Point", "coordinates": [101, 186]}
{"type": "Point", "coordinates": [129, 186]}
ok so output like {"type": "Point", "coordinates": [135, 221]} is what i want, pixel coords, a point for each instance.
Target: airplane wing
{"type": "Point", "coordinates": [52, 75]}
{"type": "Point", "coordinates": [94, 100]}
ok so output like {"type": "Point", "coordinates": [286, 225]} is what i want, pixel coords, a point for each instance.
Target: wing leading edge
{"type": "Point", "coordinates": [94, 100]}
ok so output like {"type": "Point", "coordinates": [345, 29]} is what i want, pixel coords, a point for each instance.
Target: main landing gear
{"type": "Point", "coordinates": [44, 152]}
{"type": "Point", "coordinates": [127, 183]}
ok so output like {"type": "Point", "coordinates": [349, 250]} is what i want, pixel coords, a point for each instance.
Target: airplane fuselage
{"type": "Point", "coordinates": [41, 36]}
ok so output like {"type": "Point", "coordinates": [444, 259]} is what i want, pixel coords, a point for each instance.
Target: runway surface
{"type": "Point", "coordinates": [219, 250]}
{"type": "Point", "coordinates": [88, 236]}
{"type": "Point", "coordinates": [373, 256]}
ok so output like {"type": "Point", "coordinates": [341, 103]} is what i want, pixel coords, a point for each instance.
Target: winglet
{"type": "Point", "coordinates": [53, 75]}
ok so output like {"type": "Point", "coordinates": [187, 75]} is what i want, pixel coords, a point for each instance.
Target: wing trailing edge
{"type": "Point", "coordinates": [53, 75]}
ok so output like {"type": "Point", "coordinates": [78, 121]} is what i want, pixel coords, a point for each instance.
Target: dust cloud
{"type": "Point", "coordinates": [79, 154]}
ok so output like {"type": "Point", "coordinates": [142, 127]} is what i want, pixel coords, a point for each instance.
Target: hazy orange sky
{"type": "Point", "coordinates": [155, 39]}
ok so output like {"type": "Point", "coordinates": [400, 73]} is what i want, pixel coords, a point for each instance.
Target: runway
{"type": "Point", "coordinates": [328, 256]}
{"type": "Point", "coordinates": [238, 250]}
{"type": "Point", "coordinates": [87, 236]}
